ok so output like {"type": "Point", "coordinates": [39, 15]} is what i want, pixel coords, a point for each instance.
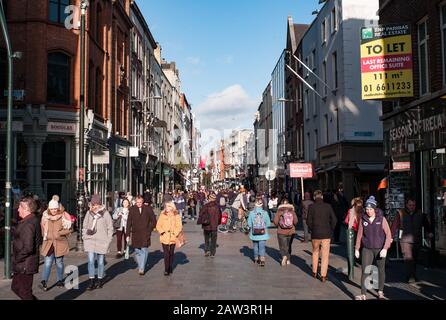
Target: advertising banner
{"type": "Point", "coordinates": [386, 62]}
{"type": "Point", "coordinates": [301, 170]}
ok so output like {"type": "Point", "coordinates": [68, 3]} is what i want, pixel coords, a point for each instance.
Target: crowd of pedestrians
{"type": "Point", "coordinates": [45, 230]}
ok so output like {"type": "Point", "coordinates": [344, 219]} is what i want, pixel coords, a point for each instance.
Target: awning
{"type": "Point", "coordinates": [370, 167]}
{"type": "Point", "coordinates": [320, 170]}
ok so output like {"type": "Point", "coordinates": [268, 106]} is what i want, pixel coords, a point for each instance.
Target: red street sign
{"type": "Point", "coordinates": [301, 170]}
{"type": "Point", "coordinates": [401, 166]}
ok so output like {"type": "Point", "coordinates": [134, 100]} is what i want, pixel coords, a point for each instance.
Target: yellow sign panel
{"type": "Point", "coordinates": [386, 62]}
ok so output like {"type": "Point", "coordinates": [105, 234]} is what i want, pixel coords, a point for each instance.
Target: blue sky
{"type": "Point", "coordinates": [225, 51]}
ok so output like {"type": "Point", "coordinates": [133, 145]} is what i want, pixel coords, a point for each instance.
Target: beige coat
{"type": "Point", "coordinates": [58, 237]}
{"type": "Point", "coordinates": [169, 228]}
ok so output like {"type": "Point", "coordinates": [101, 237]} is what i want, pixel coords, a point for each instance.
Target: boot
{"type": "Point", "coordinates": [92, 285]}
{"type": "Point", "coordinates": [43, 285]}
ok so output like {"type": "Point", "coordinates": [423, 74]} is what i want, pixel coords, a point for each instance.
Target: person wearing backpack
{"type": "Point", "coordinates": [209, 218]}
{"type": "Point", "coordinates": [258, 222]}
{"type": "Point", "coordinates": [285, 220]}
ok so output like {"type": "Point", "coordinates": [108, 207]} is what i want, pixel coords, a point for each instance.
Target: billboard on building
{"type": "Point", "coordinates": [386, 62]}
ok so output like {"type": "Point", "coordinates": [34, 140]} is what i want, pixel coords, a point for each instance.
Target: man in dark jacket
{"type": "Point", "coordinates": [25, 250]}
{"type": "Point", "coordinates": [321, 221]}
{"type": "Point", "coordinates": [410, 221]}
{"type": "Point", "coordinates": [140, 224]}
{"type": "Point", "coordinates": [210, 217]}
{"type": "Point", "coordinates": [340, 206]}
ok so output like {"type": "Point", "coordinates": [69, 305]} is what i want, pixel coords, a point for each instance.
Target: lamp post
{"type": "Point", "coordinates": [8, 184]}
{"type": "Point", "coordinates": [81, 175]}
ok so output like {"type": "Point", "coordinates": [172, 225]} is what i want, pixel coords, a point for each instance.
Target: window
{"type": "Point", "coordinates": [308, 144]}
{"type": "Point", "coordinates": [315, 100]}
{"type": "Point", "coordinates": [324, 77]}
{"type": "Point", "coordinates": [335, 70]}
{"type": "Point", "coordinates": [316, 143]}
{"type": "Point", "coordinates": [422, 58]}
{"type": "Point", "coordinates": [99, 92]}
{"type": "Point", "coordinates": [58, 78]}
{"type": "Point", "coordinates": [313, 59]}
{"type": "Point", "coordinates": [57, 10]}
{"type": "Point", "coordinates": [307, 64]}
{"type": "Point", "coordinates": [306, 101]}
{"type": "Point", "coordinates": [327, 140]}
{"type": "Point", "coordinates": [90, 16]}
{"type": "Point", "coordinates": [323, 32]}
{"type": "Point", "coordinates": [443, 39]}
{"type": "Point", "coordinates": [99, 34]}
{"type": "Point", "coordinates": [334, 21]}
{"type": "Point", "coordinates": [91, 83]}
{"type": "Point", "coordinates": [301, 137]}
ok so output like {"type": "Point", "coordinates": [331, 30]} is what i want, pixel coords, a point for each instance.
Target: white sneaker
{"type": "Point", "coordinates": [361, 297]}
{"type": "Point", "coordinates": [288, 262]}
{"type": "Point", "coordinates": [284, 260]}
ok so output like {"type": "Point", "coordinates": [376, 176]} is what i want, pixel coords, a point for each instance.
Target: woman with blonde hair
{"type": "Point", "coordinates": [352, 219]}
{"type": "Point", "coordinates": [169, 226]}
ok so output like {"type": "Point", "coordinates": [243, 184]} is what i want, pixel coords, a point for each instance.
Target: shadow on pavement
{"type": "Point", "coordinates": [247, 252]}
{"type": "Point", "coordinates": [274, 254]}
{"type": "Point", "coordinates": [179, 259]}
{"type": "Point", "coordinates": [153, 259]}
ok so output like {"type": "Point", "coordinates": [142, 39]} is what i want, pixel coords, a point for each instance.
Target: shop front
{"type": "Point", "coordinates": [417, 136]}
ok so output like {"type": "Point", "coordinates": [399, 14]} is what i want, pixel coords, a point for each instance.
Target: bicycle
{"type": "Point", "coordinates": [241, 225]}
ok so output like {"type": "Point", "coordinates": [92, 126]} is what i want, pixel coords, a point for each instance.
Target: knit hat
{"type": "Point", "coordinates": [371, 203]}
{"type": "Point", "coordinates": [95, 200]}
{"type": "Point", "coordinates": [53, 204]}
{"type": "Point", "coordinates": [212, 197]}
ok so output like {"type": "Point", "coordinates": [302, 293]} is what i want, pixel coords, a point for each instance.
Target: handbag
{"type": "Point", "coordinates": [180, 241]}
{"type": "Point", "coordinates": [117, 223]}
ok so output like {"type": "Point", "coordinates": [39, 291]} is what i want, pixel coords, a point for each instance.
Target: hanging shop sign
{"type": "Point", "coordinates": [401, 166]}
{"type": "Point", "coordinates": [386, 62]}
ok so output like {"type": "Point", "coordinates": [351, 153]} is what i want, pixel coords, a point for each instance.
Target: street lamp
{"type": "Point", "coordinates": [81, 176]}
{"type": "Point", "coordinates": [8, 184]}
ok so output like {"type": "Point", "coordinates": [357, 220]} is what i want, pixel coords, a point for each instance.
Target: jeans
{"type": "Point", "coordinates": [180, 211]}
{"type": "Point", "coordinates": [141, 258]}
{"type": "Point", "coordinates": [210, 242]}
{"type": "Point", "coordinates": [322, 245]}
{"type": "Point", "coordinates": [192, 212]}
{"type": "Point", "coordinates": [259, 248]}
{"type": "Point", "coordinates": [234, 217]}
{"type": "Point", "coordinates": [284, 245]}
{"type": "Point", "coordinates": [371, 257]}
{"type": "Point", "coordinates": [48, 262]}
{"type": "Point", "coordinates": [92, 256]}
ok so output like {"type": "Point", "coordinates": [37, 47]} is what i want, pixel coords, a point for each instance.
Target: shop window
{"type": "Point", "coordinates": [57, 10]}
{"type": "Point", "coordinates": [58, 78]}
{"type": "Point", "coordinates": [53, 160]}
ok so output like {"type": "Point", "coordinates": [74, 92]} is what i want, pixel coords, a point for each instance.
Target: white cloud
{"type": "Point", "coordinates": [221, 112]}
{"type": "Point", "coordinates": [229, 59]}
{"type": "Point", "coordinates": [193, 60]}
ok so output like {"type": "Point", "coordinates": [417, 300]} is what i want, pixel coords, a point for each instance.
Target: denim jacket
{"type": "Point", "coordinates": [251, 218]}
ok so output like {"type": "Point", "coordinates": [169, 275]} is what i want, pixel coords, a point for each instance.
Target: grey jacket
{"type": "Point", "coordinates": [100, 241]}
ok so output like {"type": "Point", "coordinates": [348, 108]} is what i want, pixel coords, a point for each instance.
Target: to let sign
{"type": "Point", "coordinates": [386, 62]}
{"type": "Point", "coordinates": [301, 170]}
{"type": "Point", "coordinates": [401, 166]}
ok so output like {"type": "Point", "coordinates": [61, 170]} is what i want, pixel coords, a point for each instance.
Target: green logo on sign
{"type": "Point", "coordinates": [367, 33]}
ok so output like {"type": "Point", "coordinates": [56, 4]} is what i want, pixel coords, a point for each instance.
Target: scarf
{"type": "Point", "coordinates": [96, 216]}
{"type": "Point", "coordinates": [46, 217]}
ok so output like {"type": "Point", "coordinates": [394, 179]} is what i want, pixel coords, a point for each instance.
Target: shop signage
{"type": "Point", "coordinates": [195, 180]}
{"type": "Point", "coordinates": [386, 62]}
{"type": "Point", "coordinates": [101, 157]}
{"type": "Point", "coordinates": [97, 134]}
{"type": "Point", "coordinates": [167, 172]}
{"type": "Point", "coordinates": [61, 127]}
{"type": "Point", "coordinates": [120, 150]}
{"type": "Point", "coordinates": [401, 166]}
{"type": "Point", "coordinates": [301, 170]}
{"type": "Point", "coordinates": [415, 127]}
{"type": "Point", "coordinates": [134, 152]}
{"type": "Point", "coordinates": [17, 126]}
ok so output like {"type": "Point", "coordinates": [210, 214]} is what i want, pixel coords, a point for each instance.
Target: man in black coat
{"type": "Point", "coordinates": [209, 218]}
{"type": "Point", "coordinates": [25, 250]}
{"type": "Point", "coordinates": [140, 224]}
{"type": "Point", "coordinates": [321, 221]}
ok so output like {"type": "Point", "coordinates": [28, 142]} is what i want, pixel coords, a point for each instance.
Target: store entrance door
{"type": "Point", "coordinates": [438, 200]}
